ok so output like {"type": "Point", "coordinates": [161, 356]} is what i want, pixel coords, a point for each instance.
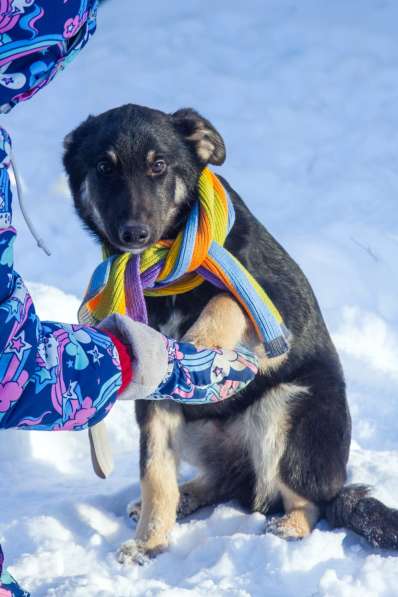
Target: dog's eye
{"type": "Point", "coordinates": [104, 167]}
{"type": "Point", "coordinates": [158, 167]}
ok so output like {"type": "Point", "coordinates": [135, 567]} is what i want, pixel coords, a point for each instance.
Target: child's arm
{"type": "Point", "coordinates": [189, 375]}
{"type": "Point", "coordinates": [52, 375]}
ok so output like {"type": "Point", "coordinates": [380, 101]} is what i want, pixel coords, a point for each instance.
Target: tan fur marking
{"type": "Point", "coordinates": [180, 192]}
{"type": "Point", "coordinates": [112, 155]}
{"type": "Point", "coordinates": [301, 514]}
{"type": "Point", "coordinates": [204, 147]}
{"type": "Point", "coordinates": [221, 324]}
{"type": "Point", "coordinates": [150, 158]}
{"type": "Point", "coordinates": [159, 489]}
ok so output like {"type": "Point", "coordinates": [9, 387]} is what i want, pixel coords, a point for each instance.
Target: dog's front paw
{"type": "Point", "coordinates": [135, 552]}
{"type": "Point", "coordinates": [131, 552]}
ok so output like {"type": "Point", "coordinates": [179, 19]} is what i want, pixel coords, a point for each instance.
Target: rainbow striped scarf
{"type": "Point", "coordinates": [171, 267]}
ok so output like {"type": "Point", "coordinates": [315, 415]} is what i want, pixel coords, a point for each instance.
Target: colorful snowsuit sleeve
{"type": "Point", "coordinates": [208, 375]}
{"type": "Point", "coordinates": [38, 38]}
{"type": "Point", "coordinates": [166, 369]}
{"type": "Point", "coordinates": [53, 376]}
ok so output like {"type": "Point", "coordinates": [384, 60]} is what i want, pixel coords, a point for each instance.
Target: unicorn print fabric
{"type": "Point", "coordinates": [203, 376]}
{"type": "Point", "coordinates": [37, 39]}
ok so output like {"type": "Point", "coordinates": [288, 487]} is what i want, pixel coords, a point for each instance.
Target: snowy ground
{"type": "Point", "coordinates": [306, 95]}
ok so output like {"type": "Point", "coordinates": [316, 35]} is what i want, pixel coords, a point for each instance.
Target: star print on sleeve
{"type": "Point", "coordinates": [96, 354]}
{"type": "Point", "coordinates": [18, 345]}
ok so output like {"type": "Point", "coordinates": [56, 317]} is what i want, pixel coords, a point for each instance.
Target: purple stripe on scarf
{"type": "Point", "coordinates": [211, 278]}
{"type": "Point", "coordinates": [135, 301]}
{"type": "Point", "coordinates": [136, 283]}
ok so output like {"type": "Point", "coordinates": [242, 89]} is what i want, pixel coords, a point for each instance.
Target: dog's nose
{"type": "Point", "coordinates": [134, 234]}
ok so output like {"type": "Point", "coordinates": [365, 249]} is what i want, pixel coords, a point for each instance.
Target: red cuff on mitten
{"type": "Point", "coordinates": [125, 359]}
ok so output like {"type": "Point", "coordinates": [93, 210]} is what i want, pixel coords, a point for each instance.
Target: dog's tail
{"type": "Point", "coordinates": [355, 509]}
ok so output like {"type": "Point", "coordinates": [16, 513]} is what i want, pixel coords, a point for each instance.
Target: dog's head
{"type": "Point", "coordinates": [133, 172]}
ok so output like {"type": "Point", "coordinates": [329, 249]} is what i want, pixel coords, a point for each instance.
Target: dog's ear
{"type": "Point", "coordinates": [201, 135]}
{"type": "Point", "coordinates": [78, 134]}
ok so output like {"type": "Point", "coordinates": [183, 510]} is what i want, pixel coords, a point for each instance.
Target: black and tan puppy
{"type": "Point", "coordinates": [282, 444]}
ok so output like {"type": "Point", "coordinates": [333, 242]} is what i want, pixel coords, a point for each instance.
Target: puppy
{"type": "Point", "coordinates": [280, 445]}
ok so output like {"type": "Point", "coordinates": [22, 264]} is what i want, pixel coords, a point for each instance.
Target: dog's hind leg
{"type": "Point", "coordinates": [312, 470]}
{"type": "Point", "coordinates": [159, 489]}
{"type": "Point", "coordinates": [301, 516]}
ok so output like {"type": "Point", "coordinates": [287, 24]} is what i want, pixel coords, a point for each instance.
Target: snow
{"type": "Point", "coordinates": [305, 94]}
